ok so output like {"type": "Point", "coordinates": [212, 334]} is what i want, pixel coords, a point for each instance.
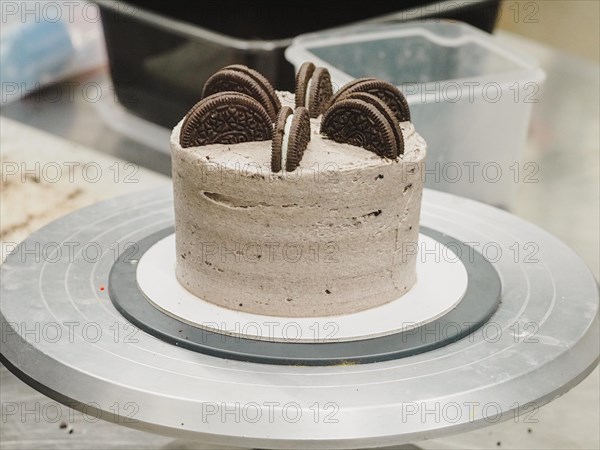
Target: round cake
{"type": "Point", "coordinates": [336, 235]}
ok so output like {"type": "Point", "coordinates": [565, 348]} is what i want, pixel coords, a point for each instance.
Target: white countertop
{"type": "Point", "coordinates": [45, 177]}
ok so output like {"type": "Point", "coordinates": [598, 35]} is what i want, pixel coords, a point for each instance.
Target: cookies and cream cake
{"type": "Point", "coordinates": [297, 210]}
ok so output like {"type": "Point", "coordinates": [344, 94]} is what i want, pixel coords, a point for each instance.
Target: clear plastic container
{"type": "Point", "coordinates": [470, 97]}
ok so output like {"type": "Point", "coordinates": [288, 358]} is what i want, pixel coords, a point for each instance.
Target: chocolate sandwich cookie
{"type": "Point", "coordinates": [291, 135]}
{"type": "Point", "coordinates": [304, 73]}
{"type": "Point", "coordinates": [356, 122]}
{"type": "Point", "coordinates": [242, 79]}
{"type": "Point", "coordinates": [341, 91]}
{"type": "Point", "coordinates": [385, 110]}
{"type": "Point", "coordinates": [313, 88]}
{"type": "Point", "coordinates": [277, 138]}
{"type": "Point", "coordinates": [387, 92]}
{"type": "Point", "coordinates": [225, 118]}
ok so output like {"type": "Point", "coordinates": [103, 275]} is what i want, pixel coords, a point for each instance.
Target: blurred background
{"type": "Point", "coordinates": [562, 24]}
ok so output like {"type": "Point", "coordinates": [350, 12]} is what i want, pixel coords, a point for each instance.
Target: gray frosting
{"type": "Point", "coordinates": [336, 236]}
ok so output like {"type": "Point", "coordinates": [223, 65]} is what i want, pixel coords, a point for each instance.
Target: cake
{"type": "Point", "coordinates": [331, 230]}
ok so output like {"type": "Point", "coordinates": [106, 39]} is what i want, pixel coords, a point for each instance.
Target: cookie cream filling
{"type": "Point", "coordinates": [307, 94]}
{"type": "Point", "coordinates": [286, 140]}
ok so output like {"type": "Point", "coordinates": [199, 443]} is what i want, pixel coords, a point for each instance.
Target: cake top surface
{"type": "Point", "coordinates": [242, 124]}
{"type": "Point", "coordinates": [253, 157]}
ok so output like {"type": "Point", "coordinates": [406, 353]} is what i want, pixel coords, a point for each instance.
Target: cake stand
{"type": "Point", "coordinates": [90, 317]}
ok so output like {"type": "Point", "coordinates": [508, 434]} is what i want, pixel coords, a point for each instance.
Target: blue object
{"type": "Point", "coordinates": [33, 54]}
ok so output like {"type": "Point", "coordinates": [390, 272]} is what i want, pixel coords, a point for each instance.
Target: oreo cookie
{"type": "Point", "coordinates": [385, 91]}
{"type": "Point", "coordinates": [239, 78]}
{"type": "Point", "coordinates": [313, 89]}
{"type": "Point", "coordinates": [277, 137]}
{"type": "Point", "coordinates": [225, 118]}
{"type": "Point", "coordinates": [291, 135]}
{"type": "Point", "coordinates": [385, 110]}
{"type": "Point", "coordinates": [345, 88]}
{"type": "Point", "coordinates": [360, 123]}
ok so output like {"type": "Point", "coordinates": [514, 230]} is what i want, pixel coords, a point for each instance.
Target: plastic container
{"type": "Point", "coordinates": [470, 97]}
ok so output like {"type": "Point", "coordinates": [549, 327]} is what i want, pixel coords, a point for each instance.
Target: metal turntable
{"type": "Point", "coordinates": [504, 318]}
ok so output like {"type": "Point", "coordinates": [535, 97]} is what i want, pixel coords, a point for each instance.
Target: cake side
{"type": "Point", "coordinates": [334, 236]}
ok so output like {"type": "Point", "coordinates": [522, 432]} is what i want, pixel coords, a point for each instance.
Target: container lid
{"type": "Point", "coordinates": [418, 57]}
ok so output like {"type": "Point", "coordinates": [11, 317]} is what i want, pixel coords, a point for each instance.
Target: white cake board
{"type": "Point", "coordinates": [442, 282]}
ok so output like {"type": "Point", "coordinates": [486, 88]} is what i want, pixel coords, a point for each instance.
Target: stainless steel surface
{"type": "Point", "coordinates": [543, 340]}
{"type": "Point", "coordinates": [563, 196]}
{"type": "Point", "coordinates": [72, 110]}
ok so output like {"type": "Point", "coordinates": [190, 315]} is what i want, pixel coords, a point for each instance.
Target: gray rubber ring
{"type": "Point", "coordinates": [480, 301]}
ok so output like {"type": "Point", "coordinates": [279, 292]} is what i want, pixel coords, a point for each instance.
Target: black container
{"type": "Point", "coordinates": [161, 53]}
